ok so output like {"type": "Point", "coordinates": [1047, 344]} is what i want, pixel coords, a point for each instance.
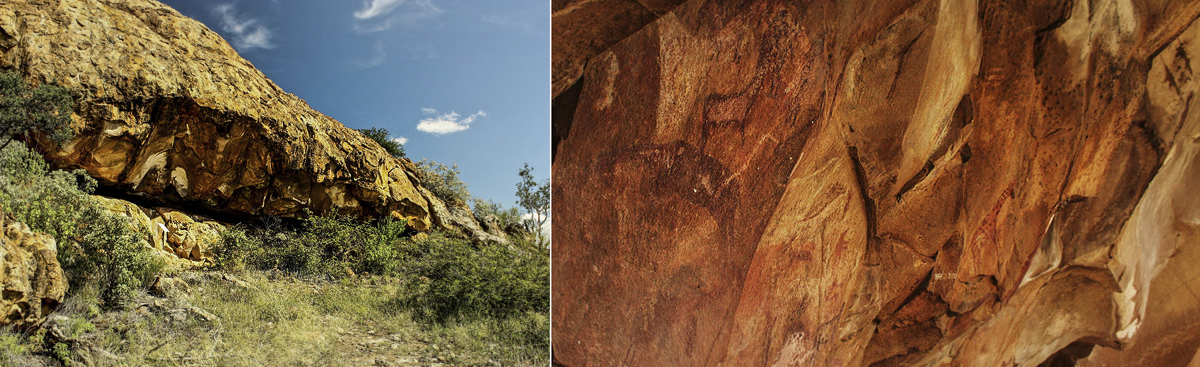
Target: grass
{"type": "Point", "coordinates": [328, 291]}
{"type": "Point", "coordinates": [271, 318]}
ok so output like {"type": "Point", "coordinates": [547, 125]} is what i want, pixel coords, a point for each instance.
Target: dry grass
{"type": "Point", "coordinates": [269, 319]}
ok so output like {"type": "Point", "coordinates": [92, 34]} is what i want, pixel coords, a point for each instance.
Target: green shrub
{"type": "Point", "coordinates": [95, 247]}
{"type": "Point", "coordinates": [443, 181]}
{"type": "Point", "coordinates": [238, 250]}
{"type": "Point", "coordinates": [485, 208]}
{"type": "Point", "coordinates": [380, 135]}
{"type": "Point", "coordinates": [322, 246]}
{"type": "Point", "coordinates": [12, 346]}
{"type": "Point", "coordinates": [454, 279]}
{"type": "Point", "coordinates": [24, 110]}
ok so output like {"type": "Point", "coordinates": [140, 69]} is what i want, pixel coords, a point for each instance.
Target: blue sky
{"type": "Point", "coordinates": [461, 81]}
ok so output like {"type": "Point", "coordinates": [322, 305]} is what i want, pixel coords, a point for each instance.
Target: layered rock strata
{"type": "Point", "coordinates": [169, 111]}
{"type": "Point", "coordinates": [923, 182]}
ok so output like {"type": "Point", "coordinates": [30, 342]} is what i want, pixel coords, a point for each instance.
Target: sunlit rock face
{"type": "Point", "coordinates": [32, 281]}
{"type": "Point", "coordinates": [168, 110]}
{"type": "Point", "coordinates": [891, 183]}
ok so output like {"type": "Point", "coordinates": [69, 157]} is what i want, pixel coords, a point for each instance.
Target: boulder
{"type": "Point", "coordinates": [917, 182]}
{"type": "Point", "coordinates": [181, 241]}
{"type": "Point", "coordinates": [187, 238]}
{"type": "Point", "coordinates": [33, 282]}
{"type": "Point", "coordinates": [169, 111]}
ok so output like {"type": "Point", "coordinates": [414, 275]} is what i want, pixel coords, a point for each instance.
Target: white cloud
{"type": "Point", "coordinates": [446, 123]}
{"type": "Point", "coordinates": [246, 34]}
{"type": "Point", "coordinates": [380, 15]}
{"type": "Point", "coordinates": [400, 140]}
{"type": "Point", "coordinates": [374, 8]}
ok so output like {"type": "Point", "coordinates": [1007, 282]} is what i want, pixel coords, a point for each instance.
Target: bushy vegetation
{"type": "Point", "coordinates": [381, 136]}
{"type": "Point", "coordinates": [455, 279]}
{"type": "Point", "coordinates": [447, 277]}
{"type": "Point", "coordinates": [443, 181]}
{"type": "Point", "coordinates": [97, 249]}
{"type": "Point", "coordinates": [23, 110]}
{"type": "Point", "coordinates": [321, 246]}
{"type": "Point", "coordinates": [486, 209]}
{"type": "Point", "coordinates": [502, 291]}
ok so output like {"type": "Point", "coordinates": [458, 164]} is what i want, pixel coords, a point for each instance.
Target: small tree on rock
{"type": "Point", "coordinates": [24, 110]}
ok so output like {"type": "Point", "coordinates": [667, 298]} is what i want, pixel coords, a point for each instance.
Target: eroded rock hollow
{"type": "Point", "coordinates": [880, 183]}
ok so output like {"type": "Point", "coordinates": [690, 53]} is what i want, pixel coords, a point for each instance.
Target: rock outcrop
{"type": "Point", "coordinates": [32, 281]}
{"type": "Point", "coordinates": [878, 183]}
{"type": "Point", "coordinates": [169, 111]}
{"type": "Point", "coordinates": [170, 232]}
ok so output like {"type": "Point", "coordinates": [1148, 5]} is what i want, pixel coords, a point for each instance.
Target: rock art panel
{"type": "Point", "coordinates": [933, 182]}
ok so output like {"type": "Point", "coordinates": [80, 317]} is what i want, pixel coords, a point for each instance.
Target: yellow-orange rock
{"type": "Point", "coordinates": [32, 281]}
{"type": "Point", "coordinates": [168, 110]}
{"type": "Point", "coordinates": [883, 183]}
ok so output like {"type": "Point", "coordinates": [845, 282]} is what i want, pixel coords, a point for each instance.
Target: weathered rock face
{"type": "Point", "coordinates": [167, 109]}
{"type": "Point", "coordinates": [457, 217]}
{"type": "Point", "coordinates": [181, 241]}
{"type": "Point", "coordinates": [584, 28]}
{"type": "Point", "coordinates": [923, 182]}
{"type": "Point", "coordinates": [32, 280]}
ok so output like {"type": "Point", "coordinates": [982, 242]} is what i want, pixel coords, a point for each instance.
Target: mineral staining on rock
{"type": "Point", "coordinates": [169, 111]}
{"type": "Point", "coordinates": [881, 183]}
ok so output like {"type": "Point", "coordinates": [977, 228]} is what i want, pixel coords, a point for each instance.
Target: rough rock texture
{"type": "Point", "coordinates": [458, 217]}
{"type": "Point", "coordinates": [584, 28]}
{"type": "Point", "coordinates": [168, 110]}
{"type": "Point", "coordinates": [170, 232]}
{"type": "Point", "coordinates": [32, 281]}
{"type": "Point", "coordinates": [922, 182]}
{"type": "Point", "coordinates": [186, 238]}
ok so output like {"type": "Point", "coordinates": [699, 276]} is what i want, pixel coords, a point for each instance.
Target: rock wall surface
{"type": "Point", "coordinates": [31, 280]}
{"type": "Point", "coordinates": [883, 183]}
{"type": "Point", "coordinates": [168, 110]}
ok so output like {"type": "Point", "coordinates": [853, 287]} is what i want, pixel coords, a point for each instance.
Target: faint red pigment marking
{"type": "Point", "coordinates": [986, 233]}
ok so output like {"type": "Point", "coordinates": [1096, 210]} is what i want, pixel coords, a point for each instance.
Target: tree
{"type": "Point", "coordinates": [380, 135]}
{"type": "Point", "coordinates": [23, 110]}
{"type": "Point", "coordinates": [535, 199]}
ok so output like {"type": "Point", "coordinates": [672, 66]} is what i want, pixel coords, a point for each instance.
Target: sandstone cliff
{"type": "Point", "coordinates": [31, 279]}
{"type": "Point", "coordinates": [922, 182]}
{"type": "Point", "coordinates": [169, 111]}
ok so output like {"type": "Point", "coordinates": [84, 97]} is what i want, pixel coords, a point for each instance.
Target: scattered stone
{"type": "Point", "coordinates": [169, 287]}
